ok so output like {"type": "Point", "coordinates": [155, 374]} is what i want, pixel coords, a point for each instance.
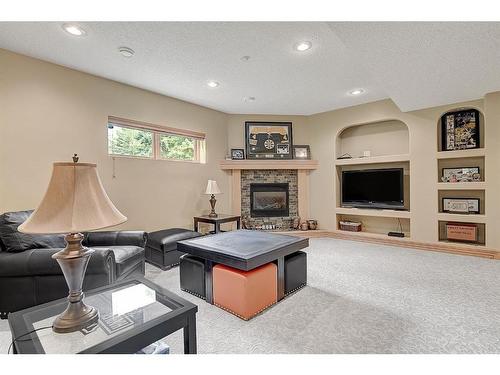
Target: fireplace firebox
{"type": "Point", "coordinates": [269, 200]}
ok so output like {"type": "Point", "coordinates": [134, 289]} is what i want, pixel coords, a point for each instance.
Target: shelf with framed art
{"type": "Point", "coordinates": [461, 179]}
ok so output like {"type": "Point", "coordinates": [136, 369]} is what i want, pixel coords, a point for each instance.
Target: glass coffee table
{"type": "Point", "coordinates": [132, 315]}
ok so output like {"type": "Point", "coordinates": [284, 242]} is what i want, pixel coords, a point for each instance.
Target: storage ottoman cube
{"type": "Point", "coordinates": [192, 275]}
{"type": "Point", "coordinates": [295, 271]}
{"type": "Point", "coordinates": [245, 293]}
{"type": "Point", "coordinates": [161, 246]}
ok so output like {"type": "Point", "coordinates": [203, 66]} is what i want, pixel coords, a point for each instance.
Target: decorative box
{"type": "Point", "coordinates": [461, 232]}
{"type": "Point", "coordinates": [351, 226]}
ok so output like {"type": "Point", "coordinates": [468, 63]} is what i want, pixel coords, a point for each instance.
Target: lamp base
{"type": "Point", "coordinates": [73, 260]}
{"type": "Point", "coordinates": [213, 201]}
{"type": "Point", "coordinates": [76, 317]}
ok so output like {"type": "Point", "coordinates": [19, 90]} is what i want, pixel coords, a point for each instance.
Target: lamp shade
{"type": "Point", "coordinates": [212, 187]}
{"type": "Point", "coordinates": [75, 201]}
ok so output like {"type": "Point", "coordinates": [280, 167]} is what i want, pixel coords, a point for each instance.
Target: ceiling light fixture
{"type": "Point", "coordinates": [249, 98]}
{"type": "Point", "coordinates": [126, 52]}
{"type": "Point", "coordinates": [356, 92]}
{"type": "Point", "coordinates": [213, 84]}
{"type": "Point", "coordinates": [245, 58]}
{"type": "Point", "coordinates": [303, 46]}
{"type": "Point", "coordinates": [73, 29]}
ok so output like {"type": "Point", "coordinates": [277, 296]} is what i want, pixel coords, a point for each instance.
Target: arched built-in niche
{"type": "Point", "coordinates": [390, 137]}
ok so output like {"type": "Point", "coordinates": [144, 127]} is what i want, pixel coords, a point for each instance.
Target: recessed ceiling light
{"type": "Point", "coordinates": [245, 58]}
{"type": "Point", "coordinates": [73, 29]}
{"type": "Point", "coordinates": [356, 92]}
{"type": "Point", "coordinates": [249, 98]}
{"type": "Point", "coordinates": [126, 52]}
{"type": "Point", "coordinates": [213, 84]}
{"type": "Point", "coordinates": [303, 46]}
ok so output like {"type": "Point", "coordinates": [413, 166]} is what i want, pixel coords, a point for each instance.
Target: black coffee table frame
{"type": "Point", "coordinates": [182, 316]}
{"type": "Point", "coordinates": [213, 256]}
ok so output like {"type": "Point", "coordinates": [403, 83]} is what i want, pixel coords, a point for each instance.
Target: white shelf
{"type": "Point", "coordinates": [475, 152]}
{"type": "Point", "coordinates": [480, 185]}
{"type": "Point", "coordinates": [463, 218]}
{"type": "Point", "coordinates": [370, 235]}
{"type": "Point", "coordinates": [374, 159]}
{"type": "Point", "coordinates": [373, 212]}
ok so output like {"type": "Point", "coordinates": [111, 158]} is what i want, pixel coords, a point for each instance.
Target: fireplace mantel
{"type": "Point", "coordinates": [269, 164]}
{"type": "Point", "coordinates": [303, 167]}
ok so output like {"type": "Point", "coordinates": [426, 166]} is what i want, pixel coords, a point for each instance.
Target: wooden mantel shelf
{"type": "Point", "coordinates": [268, 164]}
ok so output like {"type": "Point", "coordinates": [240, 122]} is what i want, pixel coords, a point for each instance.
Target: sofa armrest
{"type": "Point", "coordinates": [115, 238]}
{"type": "Point", "coordinates": [39, 262]}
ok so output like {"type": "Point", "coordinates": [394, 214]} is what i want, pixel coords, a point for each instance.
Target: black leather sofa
{"type": "Point", "coordinates": [29, 276]}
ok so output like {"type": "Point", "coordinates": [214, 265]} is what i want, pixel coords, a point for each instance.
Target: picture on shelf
{"type": "Point", "coordinates": [301, 152]}
{"type": "Point", "coordinates": [461, 205]}
{"type": "Point", "coordinates": [237, 154]}
{"type": "Point", "coordinates": [268, 140]}
{"type": "Point", "coordinates": [465, 174]}
{"type": "Point", "coordinates": [461, 232]}
{"type": "Point", "coordinates": [460, 130]}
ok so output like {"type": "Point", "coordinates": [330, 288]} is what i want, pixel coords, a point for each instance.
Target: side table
{"type": "Point", "coordinates": [216, 221]}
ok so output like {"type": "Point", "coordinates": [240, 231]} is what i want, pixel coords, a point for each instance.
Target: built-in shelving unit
{"type": "Point", "coordinates": [477, 189]}
{"type": "Point", "coordinates": [388, 143]}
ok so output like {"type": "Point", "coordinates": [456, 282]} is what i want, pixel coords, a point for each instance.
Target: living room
{"type": "Point", "coordinates": [311, 187]}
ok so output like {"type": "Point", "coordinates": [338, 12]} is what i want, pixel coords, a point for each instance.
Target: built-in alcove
{"type": "Point", "coordinates": [389, 147]}
{"type": "Point", "coordinates": [382, 138]}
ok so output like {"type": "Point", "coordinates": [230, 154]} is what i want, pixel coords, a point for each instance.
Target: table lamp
{"type": "Point", "coordinates": [212, 189]}
{"type": "Point", "coordinates": [75, 202]}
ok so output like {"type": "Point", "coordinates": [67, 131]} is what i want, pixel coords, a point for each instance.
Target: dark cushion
{"type": "Point", "coordinates": [166, 239]}
{"type": "Point", "coordinates": [295, 271]}
{"type": "Point", "coordinates": [115, 238]}
{"type": "Point", "coordinates": [15, 241]}
{"type": "Point", "coordinates": [126, 257]}
{"type": "Point", "coordinates": [192, 275]}
{"type": "Point", "coordinates": [39, 262]}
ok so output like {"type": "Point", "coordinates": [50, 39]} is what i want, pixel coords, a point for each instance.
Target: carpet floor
{"type": "Point", "coordinates": [360, 298]}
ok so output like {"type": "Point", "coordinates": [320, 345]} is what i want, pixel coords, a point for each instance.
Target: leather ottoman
{"type": "Point", "coordinates": [295, 271]}
{"type": "Point", "coordinates": [192, 275]}
{"type": "Point", "coordinates": [161, 246]}
{"type": "Point", "coordinates": [245, 293]}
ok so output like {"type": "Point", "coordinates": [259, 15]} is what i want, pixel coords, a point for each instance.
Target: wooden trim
{"type": "Point", "coordinates": [268, 164]}
{"type": "Point", "coordinates": [303, 193]}
{"type": "Point", "coordinates": [236, 191]}
{"type": "Point", "coordinates": [160, 128]}
{"type": "Point", "coordinates": [458, 249]}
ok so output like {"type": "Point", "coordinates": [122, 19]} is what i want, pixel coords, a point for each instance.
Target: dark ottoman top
{"type": "Point", "coordinates": [243, 249]}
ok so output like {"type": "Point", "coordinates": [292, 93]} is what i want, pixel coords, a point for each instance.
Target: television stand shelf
{"type": "Point", "coordinates": [373, 212]}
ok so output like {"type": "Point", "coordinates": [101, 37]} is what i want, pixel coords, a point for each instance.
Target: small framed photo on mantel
{"type": "Point", "coordinates": [237, 154]}
{"type": "Point", "coordinates": [301, 152]}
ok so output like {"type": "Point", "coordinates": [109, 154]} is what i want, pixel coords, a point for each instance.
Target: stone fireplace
{"type": "Point", "coordinates": [295, 173]}
{"type": "Point", "coordinates": [269, 197]}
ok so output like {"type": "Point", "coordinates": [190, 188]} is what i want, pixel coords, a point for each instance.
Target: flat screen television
{"type": "Point", "coordinates": [373, 188]}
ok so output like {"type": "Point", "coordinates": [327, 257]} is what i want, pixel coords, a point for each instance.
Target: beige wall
{"type": "Point", "coordinates": [49, 112]}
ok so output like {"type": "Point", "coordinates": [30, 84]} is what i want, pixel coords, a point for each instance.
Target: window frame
{"type": "Point", "coordinates": [199, 139]}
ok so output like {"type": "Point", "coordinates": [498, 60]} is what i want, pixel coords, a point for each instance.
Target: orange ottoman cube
{"type": "Point", "coordinates": [245, 293]}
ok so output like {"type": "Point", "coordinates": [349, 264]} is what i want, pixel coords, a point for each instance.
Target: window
{"type": "Point", "coordinates": [138, 139]}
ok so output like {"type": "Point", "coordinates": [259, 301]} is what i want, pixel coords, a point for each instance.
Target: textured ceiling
{"type": "Point", "coordinates": [417, 65]}
{"type": "Point", "coordinates": [427, 64]}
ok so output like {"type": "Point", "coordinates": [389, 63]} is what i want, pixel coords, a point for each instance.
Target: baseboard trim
{"type": "Point", "coordinates": [469, 250]}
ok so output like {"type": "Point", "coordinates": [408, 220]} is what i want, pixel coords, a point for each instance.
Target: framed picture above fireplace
{"type": "Point", "coordinates": [268, 140]}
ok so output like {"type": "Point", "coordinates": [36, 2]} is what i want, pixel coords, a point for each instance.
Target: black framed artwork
{"type": "Point", "coordinates": [268, 140]}
{"type": "Point", "coordinates": [460, 130]}
{"type": "Point", "coordinates": [237, 154]}
{"type": "Point", "coordinates": [461, 205]}
{"type": "Point", "coordinates": [461, 174]}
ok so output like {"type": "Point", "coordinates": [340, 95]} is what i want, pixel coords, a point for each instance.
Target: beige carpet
{"type": "Point", "coordinates": [360, 298]}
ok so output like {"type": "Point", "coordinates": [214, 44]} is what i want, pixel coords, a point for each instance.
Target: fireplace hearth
{"type": "Point", "coordinates": [269, 200]}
